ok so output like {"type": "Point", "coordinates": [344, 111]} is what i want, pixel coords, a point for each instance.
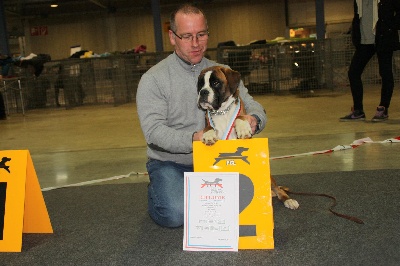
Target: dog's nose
{"type": "Point", "coordinates": [204, 93]}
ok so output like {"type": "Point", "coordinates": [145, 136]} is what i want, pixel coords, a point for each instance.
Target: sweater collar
{"type": "Point", "coordinates": [187, 65]}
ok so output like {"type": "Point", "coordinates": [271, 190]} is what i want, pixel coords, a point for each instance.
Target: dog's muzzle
{"type": "Point", "coordinates": [205, 98]}
{"type": "Point", "coordinates": [203, 95]}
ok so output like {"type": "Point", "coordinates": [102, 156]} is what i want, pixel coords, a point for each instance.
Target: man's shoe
{"type": "Point", "coordinates": [355, 115]}
{"type": "Point", "coordinates": [381, 114]}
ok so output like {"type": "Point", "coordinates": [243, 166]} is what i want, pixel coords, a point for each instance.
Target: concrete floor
{"type": "Point", "coordinates": [105, 143]}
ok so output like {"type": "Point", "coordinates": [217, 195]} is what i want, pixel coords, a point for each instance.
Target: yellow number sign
{"type": "Point", "coordinates": [22, 207]}
{"type": "Point", "coordinates": [250, 158]}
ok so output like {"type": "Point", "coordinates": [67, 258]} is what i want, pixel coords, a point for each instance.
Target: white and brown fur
{"type": "Point", "coordinates": [217, 88]}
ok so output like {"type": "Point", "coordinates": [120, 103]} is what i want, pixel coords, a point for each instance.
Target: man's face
{"type": "Point", "coordinates": [189, 24]}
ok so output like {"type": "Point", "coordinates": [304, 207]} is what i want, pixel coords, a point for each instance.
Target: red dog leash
{"type": "Point", "coordinates": [348, 217]}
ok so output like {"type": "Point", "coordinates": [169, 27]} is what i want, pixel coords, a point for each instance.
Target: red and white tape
{"type": "Point", "coordinates": [353, 145]}
{"type": "Point", "coordinates": [91, 182]}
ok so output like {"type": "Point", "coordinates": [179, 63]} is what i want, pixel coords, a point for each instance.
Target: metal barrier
{"type": "Point", "coordinates": [293, 66]}
{"type": "Point", "coordinates": [103, 80]}
{"type": "Point", "coordinates": [265, 68]}
{"type": "Point", "coordinates": [13, 95]}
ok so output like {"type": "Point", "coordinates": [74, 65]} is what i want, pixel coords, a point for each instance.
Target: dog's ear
{"type": "Point", "coordinates": [200, 82]}
{"type": "Point", "coordinates": [233, 78]}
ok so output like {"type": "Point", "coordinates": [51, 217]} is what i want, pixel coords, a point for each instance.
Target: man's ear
{"type": "Point", "coordinates": [171, 37]}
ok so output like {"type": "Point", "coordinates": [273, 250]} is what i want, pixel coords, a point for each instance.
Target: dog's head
{"type": "Point", "coordinates": [215, 86]}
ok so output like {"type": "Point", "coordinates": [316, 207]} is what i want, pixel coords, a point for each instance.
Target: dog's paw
{"type": "Point", "coordinates": [243, 129]}
{"type": "Point", "coordinates": [210, 137]}
{"type": "Point", "coordinates": [291, 204]}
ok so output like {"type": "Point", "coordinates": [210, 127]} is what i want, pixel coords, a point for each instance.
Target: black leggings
{"type": "Point", "coordinates": [361, 57]}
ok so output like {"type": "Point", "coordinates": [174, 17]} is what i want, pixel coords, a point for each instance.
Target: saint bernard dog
{"type": "Point", "coordinates": [218, 95]}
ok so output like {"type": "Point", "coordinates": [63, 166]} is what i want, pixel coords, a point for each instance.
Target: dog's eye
{"type": "Point", "coordinates": [215, 83]}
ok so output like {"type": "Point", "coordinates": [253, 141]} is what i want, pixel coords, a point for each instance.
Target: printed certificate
{"type": "Point", "coordinates": [211, 211]}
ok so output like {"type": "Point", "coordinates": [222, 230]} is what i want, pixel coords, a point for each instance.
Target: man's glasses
{"type": "Point", "coordinates": [201, 36]}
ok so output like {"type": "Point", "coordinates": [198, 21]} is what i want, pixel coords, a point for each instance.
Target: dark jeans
{"type": "Point", "coordinates": [361, 57]}
{"type": "Point", "coordinates": [166, 192]}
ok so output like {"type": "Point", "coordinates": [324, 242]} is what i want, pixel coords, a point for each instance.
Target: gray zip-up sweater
{"type": "Point", "coordinates": [167, 108]}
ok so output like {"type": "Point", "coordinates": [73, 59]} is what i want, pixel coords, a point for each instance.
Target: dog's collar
{"type": "Point", "coordinates": [231, 121]}
{"type": "Point", "coordinates": [221, 112]}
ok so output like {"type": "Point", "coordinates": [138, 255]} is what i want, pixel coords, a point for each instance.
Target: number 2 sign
{"type": "Point", "coordinates": [250, 158]}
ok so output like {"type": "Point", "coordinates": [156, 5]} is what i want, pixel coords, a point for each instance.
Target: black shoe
{"type": "Point", "coordinates": [381, 114]}
{"type": "Point", "coordinates": [355, 115]}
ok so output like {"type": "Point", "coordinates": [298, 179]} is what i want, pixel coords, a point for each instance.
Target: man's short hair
{"type": "Point", "coordinates": [185, 9]}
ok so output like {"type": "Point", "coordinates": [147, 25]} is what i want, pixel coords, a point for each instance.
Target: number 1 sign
{"type": "Point", "coordinates": [22, 207]}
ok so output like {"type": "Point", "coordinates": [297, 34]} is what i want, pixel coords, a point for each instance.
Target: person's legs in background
{"type": "Point", "coordinates": [386, 73]}
{"type": "Point", "coordinates": [166, 192]}
{"type": "Point", "coordinates": [360, 59]}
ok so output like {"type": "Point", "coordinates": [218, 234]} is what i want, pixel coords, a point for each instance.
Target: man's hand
{"type": "Point", "coordinates": [253, 123]}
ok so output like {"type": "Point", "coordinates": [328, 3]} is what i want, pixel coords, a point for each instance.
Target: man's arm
{"type": "Point", "coordinates": [256, 114]}
{"type": "Point", "coordinates": [152, 107]}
